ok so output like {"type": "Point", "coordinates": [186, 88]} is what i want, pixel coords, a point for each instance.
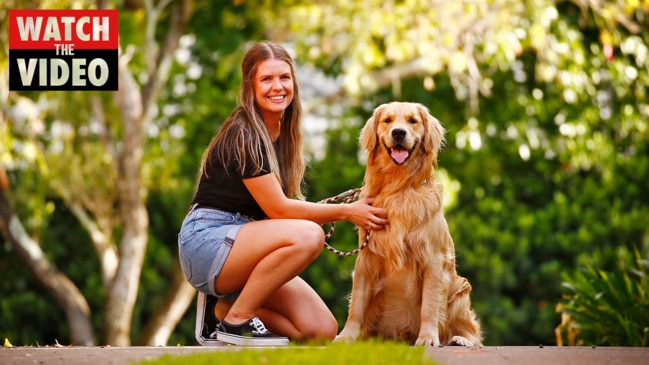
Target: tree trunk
{"type": "Point", "coordinates": [180, 294]}
{"type": "Point", "coordinates": [132, 247]}
{"type": "Point", "coordinates": [135, 104]}
{"type": "Point", "coordinates": [63, 289]}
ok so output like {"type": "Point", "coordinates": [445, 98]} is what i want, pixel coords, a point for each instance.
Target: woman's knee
{"type": "Point", "coordinates": [310, 237]}
{"type": "Point", "coordinates": [329, 328]}
{"type": "Point", "coordinates": [322, 329]}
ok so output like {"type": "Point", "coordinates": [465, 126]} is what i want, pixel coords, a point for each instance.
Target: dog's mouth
{"type": "Point", "coordinates": [399, 154]}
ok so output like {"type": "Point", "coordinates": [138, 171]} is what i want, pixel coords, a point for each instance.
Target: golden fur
{"type": "Point", "coordinates": [405, 286]}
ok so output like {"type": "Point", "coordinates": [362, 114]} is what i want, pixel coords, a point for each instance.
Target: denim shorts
{"type": "Point", "coordinates": [204, 242]}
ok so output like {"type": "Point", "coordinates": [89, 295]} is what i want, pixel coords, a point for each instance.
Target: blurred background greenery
{"type": "Point", "coordinates": [546, 165]}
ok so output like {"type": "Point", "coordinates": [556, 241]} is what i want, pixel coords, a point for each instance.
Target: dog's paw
{"type": "Point", "coordinates": [460, 341]}
{"type": "Point", "coordinates": [350, 332]}
{"type": "Point", "coordinates": [344, 339]}
{"type": "Point", "coordinates": [427, 341]}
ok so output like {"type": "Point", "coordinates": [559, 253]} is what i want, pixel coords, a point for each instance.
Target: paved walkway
{"type": "Point", "coordinates": [489, 355]}
{"type": "Point", "coordinates": [526, 355]}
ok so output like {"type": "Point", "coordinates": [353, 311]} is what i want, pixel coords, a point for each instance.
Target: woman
{"type": "Point", "coordinates": [249, 233]}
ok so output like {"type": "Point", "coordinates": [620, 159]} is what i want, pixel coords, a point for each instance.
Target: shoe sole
{"type": "Point", "coordinates": [251, 341]}
{"type": "Point", "coordinates": [200, 319]}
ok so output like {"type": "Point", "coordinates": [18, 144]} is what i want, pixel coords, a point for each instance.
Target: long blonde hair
{"type": "Point", "coordinates": [244, 133]}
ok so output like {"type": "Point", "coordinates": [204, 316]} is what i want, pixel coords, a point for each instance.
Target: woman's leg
{"type": "Point", "coordinates": [265, 259]}
{"type": "Point", "coordinates": [295, 310]}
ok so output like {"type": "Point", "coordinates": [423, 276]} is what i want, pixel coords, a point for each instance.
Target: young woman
{"type": "Point", "coordinates": [249, 233]}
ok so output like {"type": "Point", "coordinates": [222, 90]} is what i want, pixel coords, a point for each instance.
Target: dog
{"type": "Point", "coordinates": [405, 285]}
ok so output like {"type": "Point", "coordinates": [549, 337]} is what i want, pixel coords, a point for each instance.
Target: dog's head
{"type": "Point", "coordinates": [401, 130]}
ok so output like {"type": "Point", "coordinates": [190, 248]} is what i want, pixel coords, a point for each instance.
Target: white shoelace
{"type": "Point", "coordinates": [259, 325]}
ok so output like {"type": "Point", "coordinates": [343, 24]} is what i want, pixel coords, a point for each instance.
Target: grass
{"type": "Point", "coordinates": [361, 353]}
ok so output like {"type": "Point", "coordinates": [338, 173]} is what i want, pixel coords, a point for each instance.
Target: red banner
{"type": "Point", "coordinates": [63, 49]}
{"type": "Point", "coordinates": [45, 29]}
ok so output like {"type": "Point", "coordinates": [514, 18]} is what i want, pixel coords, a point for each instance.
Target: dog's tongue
{"type": "Point", "coordinates": [399, 155]}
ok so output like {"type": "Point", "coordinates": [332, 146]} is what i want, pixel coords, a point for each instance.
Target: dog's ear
{"type": "Point", "coordinates": [434, 138]}
{"type": "Point", "coordinates": [369, 138]}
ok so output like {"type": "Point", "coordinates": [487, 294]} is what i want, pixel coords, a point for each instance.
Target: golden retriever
{"type": "Point", "coordinates": [405, 286]}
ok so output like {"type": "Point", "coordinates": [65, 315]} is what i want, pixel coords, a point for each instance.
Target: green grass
{"type": "Point", "coordinates": [360, 353]}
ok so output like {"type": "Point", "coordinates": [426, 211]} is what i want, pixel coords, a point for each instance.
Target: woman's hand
{"type": "Point", "coordinates": [364, 215]}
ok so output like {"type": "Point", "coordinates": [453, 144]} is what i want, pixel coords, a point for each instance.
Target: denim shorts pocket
{"type": "Point", "coordinates": [214, 216]}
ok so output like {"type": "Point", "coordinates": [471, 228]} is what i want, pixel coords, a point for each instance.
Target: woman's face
{"type": "Point", "coordinates": [273, 85]}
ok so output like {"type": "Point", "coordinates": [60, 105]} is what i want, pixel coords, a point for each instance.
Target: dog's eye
{"type": "Point", "coordinates": [413, 121]}
{"type": "Point", "coordinates": [387, 120]}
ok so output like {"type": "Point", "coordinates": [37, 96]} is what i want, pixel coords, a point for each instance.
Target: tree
{"type": "Point", "coordinates": [106, 191]}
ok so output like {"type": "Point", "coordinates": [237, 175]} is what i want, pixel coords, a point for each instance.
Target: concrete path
{"type": "Point", "coordinates": [526, 355]}
{"type": "Point", "coordinates": [489, 355]}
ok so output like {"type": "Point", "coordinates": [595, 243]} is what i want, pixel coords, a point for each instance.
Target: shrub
{"type": "Point", "coordinates": [606, 308]}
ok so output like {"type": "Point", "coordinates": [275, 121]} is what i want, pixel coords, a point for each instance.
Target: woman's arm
{"type": "Point", "coordinates": [268, 193]}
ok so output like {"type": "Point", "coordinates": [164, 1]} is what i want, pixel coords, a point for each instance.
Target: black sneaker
{"type": "Point", "coordinates": [206, 322]}
{"type": "Point", "coordinates": [250, 333]}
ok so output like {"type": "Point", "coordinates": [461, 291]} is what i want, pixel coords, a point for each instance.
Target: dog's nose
{"type": "Point", "coordinates": [398, 134]}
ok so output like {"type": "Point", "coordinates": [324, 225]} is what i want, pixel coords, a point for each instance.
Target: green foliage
{"type": "Point", "coordinates": [30, 315]}
{"type": "Point", "coordinates": [337, 172]}
{"type": "Point", "coordinates": [41, 310]}
{"type": "Point", "coordinates": [607, 308]}
{"type": "Point", "coordinates": [358, 353]}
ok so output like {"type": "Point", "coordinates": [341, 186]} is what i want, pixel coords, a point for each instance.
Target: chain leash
{"type": "Point", "coordinates": [344, 197]}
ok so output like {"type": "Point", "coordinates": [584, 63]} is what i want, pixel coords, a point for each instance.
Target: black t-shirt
{"type": "Point", "coordinates": [224, 189]}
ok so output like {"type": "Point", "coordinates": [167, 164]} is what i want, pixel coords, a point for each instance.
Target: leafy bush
{"type": "Point", "coordinates": [607, 308]}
